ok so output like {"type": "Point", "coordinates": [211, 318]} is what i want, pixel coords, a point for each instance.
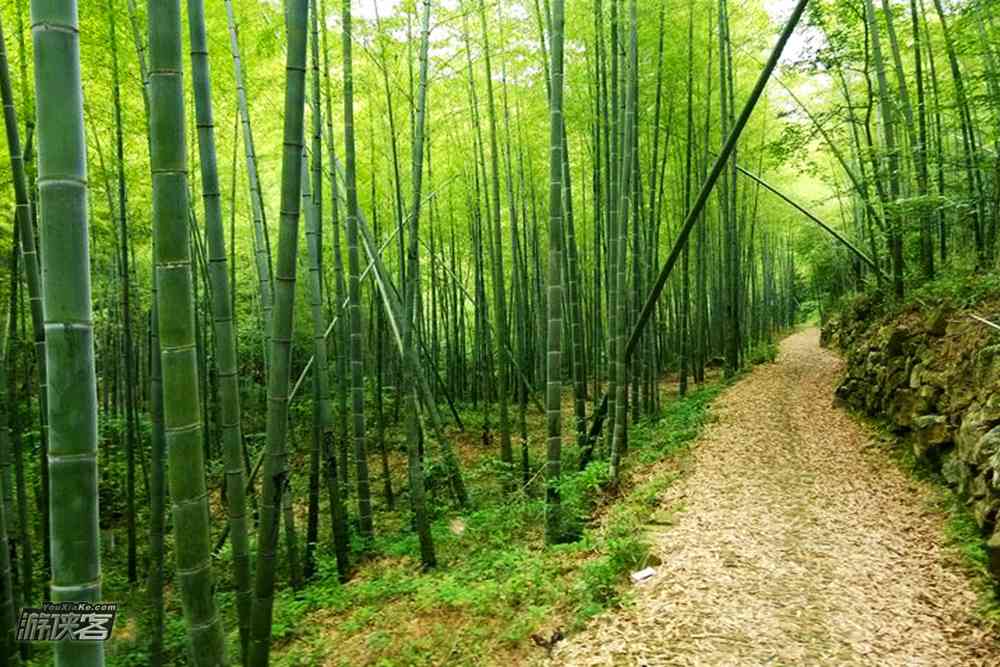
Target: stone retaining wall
{"type": "Point", "coordinates": [934, 376]}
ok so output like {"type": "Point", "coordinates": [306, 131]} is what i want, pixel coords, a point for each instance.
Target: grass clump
{"type": "Point", "coordinates": [963, 537]}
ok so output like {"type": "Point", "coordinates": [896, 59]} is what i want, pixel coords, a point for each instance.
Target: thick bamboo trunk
{"type": "Point", "coordinates": [276, 466]}
{"type": "Point", "coordinates": [69, 351]}
{"type": "Point", "coordinates": [222, 317]}
{"type": "Point", "coordinates": [553, 371]}
{"type": "Point", "coordinates": [183, 424]}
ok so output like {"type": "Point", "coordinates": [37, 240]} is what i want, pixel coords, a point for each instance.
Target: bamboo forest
{"type": "Point", "coordinates": [500, 332]}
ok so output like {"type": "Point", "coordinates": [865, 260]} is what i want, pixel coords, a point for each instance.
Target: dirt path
{"type": "Point", "coordinates": [798, 543]}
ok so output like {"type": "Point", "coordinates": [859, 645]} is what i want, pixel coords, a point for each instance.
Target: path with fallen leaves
{"type": "Point", "coordinates": [797, 541]}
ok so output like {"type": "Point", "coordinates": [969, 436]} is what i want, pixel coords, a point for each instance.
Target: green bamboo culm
{"type": "Point", "coordinates": [157, 488]}
{"type": "Point", "coordinates": [322, 418]}
{"type": "Point", "coordinates": [624, 204]}
{"type": "Point", "coordinates": [340, 288]}
{"type": "Point", "coordinates": [69, 350]}
{"type": "Point", "coordinates": [222, 316]}
{"type": "Point", "coordinates": [29, 256]}
{"type": "Point", "coordinates": [354, 289]}
{"type": "Point", "coordinates": [262, 256]}
{"type": "Point", "coordinates": [496, 246]}
{"type": "Point", "coordinates": [178, 353]}
{"type": "Point", "coordinates": [126, 311]}
{"type": "Point", "coordinates": [8, 646]}
{"type": "Point", "coordinates": [553, 386]}
{"type": "Point", "coordinates": [157, 436]}
{"type": "Point", "coordinates": [276, 470]}
{"type": "Point", "coordinates": [415, 463]}
{"type": "Point", "coordinates": [9, 654]}
{"type": "Point", "coordinates": [322, 445]}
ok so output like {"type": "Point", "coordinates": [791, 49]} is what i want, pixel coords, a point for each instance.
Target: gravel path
{"type": "Point", "coordinates": [798, 543]}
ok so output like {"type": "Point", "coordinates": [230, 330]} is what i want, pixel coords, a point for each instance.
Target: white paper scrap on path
{"type": "Point", "coordinates": [642, 575]}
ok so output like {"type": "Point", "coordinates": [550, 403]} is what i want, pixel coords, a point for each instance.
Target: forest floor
{"type": "Point", "coordinates": [795, 539]}
{"type": "Point", "coordinates": [500, 595]}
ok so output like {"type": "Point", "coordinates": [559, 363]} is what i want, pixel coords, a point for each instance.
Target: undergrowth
{"type": "Point", "coordinates": [497, 584]}
{"type": "Point", "coordinates": [959, 288]}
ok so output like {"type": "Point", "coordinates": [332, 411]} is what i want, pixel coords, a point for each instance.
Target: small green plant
{"type": "Point", "coordinates": [964, 537]}
{"type": "Point", "coordinates": [624, 550]}
{"type": "Point", "coordinates": [764, 352]}
{"type": "Point", "coordinates": [961, 289]}
{"type": "Point", "coordinates": [496, 584]}
{"type": "Point", "coordinates": [579, 492]}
